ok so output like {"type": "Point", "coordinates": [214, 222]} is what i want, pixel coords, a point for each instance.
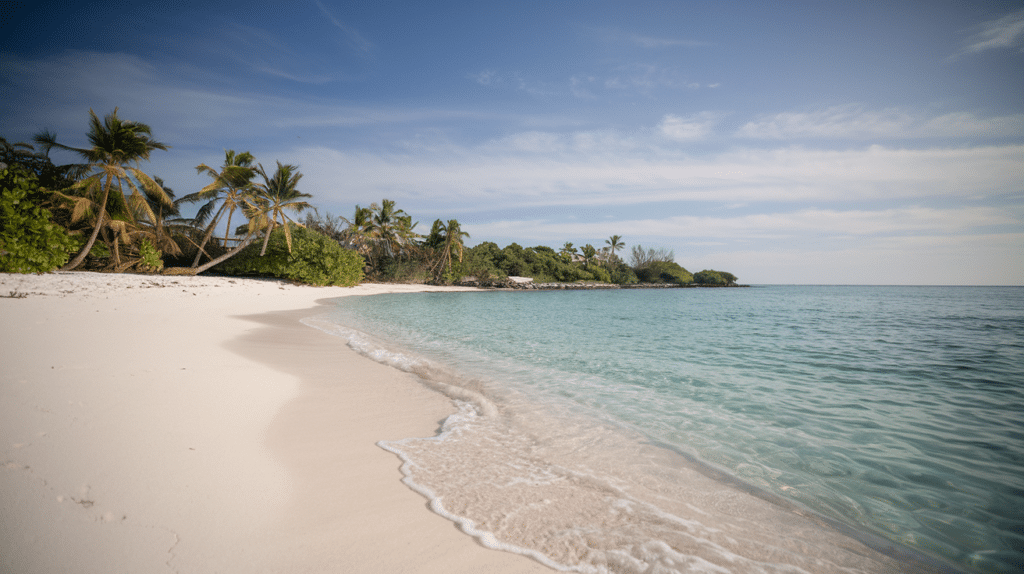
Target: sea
{"type": "Point", "coordinates": [761, 429]}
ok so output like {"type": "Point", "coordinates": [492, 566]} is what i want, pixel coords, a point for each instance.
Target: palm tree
{"type": "Point", "coordinates": [231, 186]}
{"type": "Point", "coordinates": [614, 243]}
{"type": "Point", "coordinates": [116, 144]}
{"type": "Point", "coordinates": [155, 228]}
{"type": "Point", "coordinates": [359, 231]}
{"type": "Point", "coordinates": [589, 252]}
{"type": "Point", "coordinates": [391, 229]}
{"type": "Point", "coordinates": [450, 236]}
{"type": "Point", "coordinates": [275, 197]}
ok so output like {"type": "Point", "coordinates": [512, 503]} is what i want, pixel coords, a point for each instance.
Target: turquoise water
{"type": "Point", "coordinates": [644, 429]}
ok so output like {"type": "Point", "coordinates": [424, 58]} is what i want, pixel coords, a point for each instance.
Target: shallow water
{"type": "Point", "coordinates": [740, 430]}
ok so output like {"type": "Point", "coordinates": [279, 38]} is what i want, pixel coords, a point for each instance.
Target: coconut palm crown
{"type": "Point", "coordinates": [276, 196]}
{"type": "Point", "coordinates": [117, 147]}
{"type": "Point", "coordinates": [231, 187]}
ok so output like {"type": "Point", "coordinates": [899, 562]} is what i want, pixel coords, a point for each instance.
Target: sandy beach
{"type": "Point", "coordinates": [193, 424]}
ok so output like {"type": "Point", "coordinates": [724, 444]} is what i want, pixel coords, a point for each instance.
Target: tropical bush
{"type": "Point", "coordinates": [149, 257]}
{"type": "Point", "coordinates": [623, 274]}
{"type": "Point", "coordinates": [712, 277]}
{"type": "Point", "coordinates": [29, 241]}
{"type": "Point", "coordinates": [314, 259]}
{"type": "Point", "coordinates": [664, 272]}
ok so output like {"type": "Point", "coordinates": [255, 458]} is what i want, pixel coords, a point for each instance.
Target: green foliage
{"type": "Point", "coordinates": [597, 273]}
{"type": "Point", "coordinates": [25, 157]}
{"type": "Point", "coordinates": [710, 277]}
{"type": "Point", "coordinates": [314, 259]}
{"type": "Point", "coordinates": [664, 272]}
{"type": "Point", "coordinates": [545, 265]}
{"type": "Point", "coordinates": [29, 241]}
{"type": "Point", "coordinates": [481, 262]}
{"type": "Point", "coordinates": [623, 274]}
{"type": "Point", "coordinates": [98, 251]}
{"type": "Point", "coordinates": [149, 257]}
{"type": "Point", "coordinates": [403, 270]}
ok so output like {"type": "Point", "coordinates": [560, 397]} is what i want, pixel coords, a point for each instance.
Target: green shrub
{"type": "Point", "coordinates": [664, 272]}
{"type": "Point", "coordinates": [149, 257]}
{"type": "Point", "coordinates": [709, 277]}
{"type": "Point", "coordinates": [623, 274]}
{"type": "Point", "coordinates": [29, 241]}
{"type": "Point", "coordinates": [315, 259]}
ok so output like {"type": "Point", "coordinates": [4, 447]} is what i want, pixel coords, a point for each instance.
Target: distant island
{"type": "Point", "coordinates": [107, 214]}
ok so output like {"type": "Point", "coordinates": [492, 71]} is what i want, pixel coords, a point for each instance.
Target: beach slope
{"type": "Point", "coordinates": [192, 424]}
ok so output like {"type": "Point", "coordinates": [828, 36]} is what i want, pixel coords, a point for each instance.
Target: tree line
{"type": "Point", "coordinates": [106, 213]}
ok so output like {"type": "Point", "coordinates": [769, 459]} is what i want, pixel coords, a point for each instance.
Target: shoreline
{"type": "Point", "coordinates": [153, 423]}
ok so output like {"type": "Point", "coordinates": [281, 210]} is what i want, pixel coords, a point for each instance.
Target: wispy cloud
{"type": "Point", "coordinates": [645, 77]}
{"type": "Point", "coordinates": [653, 42]}
{"type": "Point", "coordinates": [618, 36]}
{"type": "Point", "coordinates": [486, 77]}
{"type": "Point", "coordinates": [265, 53]}
{"type": "Point", "coordinates": [603, 168]}
{"type": "Point", "coordinates": [317, 79]}
{"type": "Point", "coordinates": [856, 122]}
{"type": "Point", "coordinates": [355, 39]}
{"type": "Point", "coordinates": [1005, 32]}
{"type": "Point", "coordinates": [688, 128]}
{"type": "Point", "coordinates": [834, 223]}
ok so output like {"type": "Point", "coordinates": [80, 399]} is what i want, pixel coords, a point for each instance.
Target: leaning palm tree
{"type": "Point", "coordinates": [153, 224]}
{"type": "Point", "coordinates": [450, 235]}
{"type": "Point", "coordinates": [231, 186]}
{"type": "Point", "coordinates": [116, 144]}
{"type": "Point", "coordinates": [252, 231]}
{"type": "Point", "coordinates": [614, 243]}
{"type": "Point", "coordinates": [276, 196]}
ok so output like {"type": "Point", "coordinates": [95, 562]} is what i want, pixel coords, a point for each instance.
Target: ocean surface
{"type": "Point", "coordinates": [765, 429]}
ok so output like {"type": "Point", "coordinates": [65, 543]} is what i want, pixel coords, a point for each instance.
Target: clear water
{"type": "Point", "coordinates": [779, 428]}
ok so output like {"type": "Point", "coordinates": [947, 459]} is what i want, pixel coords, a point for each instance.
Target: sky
{"type": "Point", "coordinates": [817, 142]}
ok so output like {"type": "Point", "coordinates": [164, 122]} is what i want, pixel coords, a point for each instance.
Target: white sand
{"type": "Point", "coordinates": [153, 424]}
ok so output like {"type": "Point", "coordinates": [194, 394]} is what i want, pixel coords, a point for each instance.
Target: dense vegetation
{"type": "Point", "coordinates": [311, 258]}
{"type": "Point", "coordinates": [108, 214]}
{"type": "Point", "coordinates": [29, 241]}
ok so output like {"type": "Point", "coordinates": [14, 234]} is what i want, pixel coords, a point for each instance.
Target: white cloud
{"type": "Point", "coordinates": [1005, 32]}
{"type": "Point", "coordinates": [804, 223]}
{"type": "Point", "coordinates": [971, 259]}
{"type": "Point", "coordinates": [604, 168]}
{"type": "Point", "coordinates": [856, 122]}
{"type": "Point", "coordinates": [688, 128]}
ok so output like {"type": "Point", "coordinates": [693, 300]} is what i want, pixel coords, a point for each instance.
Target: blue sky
{"type": "Point", "coordinates": [793, 142]}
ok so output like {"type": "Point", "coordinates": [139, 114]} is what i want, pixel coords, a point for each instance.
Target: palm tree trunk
{"type": "Point", "coordinates": [227, 231]}
{"type": "Point", "coordinates": [74, 263]}
{"type": "Point", "coordinates": [245, 242]}
{"type": "Point", "coordinates": [117, 249]}
{"type": "Point", "coordinates": [208, 235]}
{"type": "Point", "coordinates": [266, 240]}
